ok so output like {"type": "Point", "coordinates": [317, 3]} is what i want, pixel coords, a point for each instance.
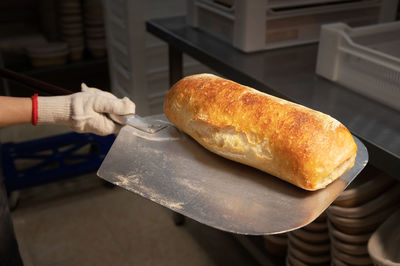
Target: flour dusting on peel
{"type": "Point", "coordinates": [134, 183]}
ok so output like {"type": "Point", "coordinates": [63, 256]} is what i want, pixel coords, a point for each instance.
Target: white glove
{"type": "Point", "coordinates": [84, 111]}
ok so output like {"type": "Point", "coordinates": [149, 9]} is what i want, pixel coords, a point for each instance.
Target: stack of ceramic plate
{"type": "Point", "coordinates": [276, 244]}
{"type": "Point", "coordinates": [357, 212]}
{"type": "Point", "coordinates": [309, 245]}
{"type": "Point", "coordinates": [71, 27]}
{"type": "Point", "coordinates": [94, 28]}
{"type": "Point", "coordinates": [48, 54]}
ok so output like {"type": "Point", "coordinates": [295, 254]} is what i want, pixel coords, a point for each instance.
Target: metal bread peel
{"type": "Point", "coordinates": [171, 169]}
{"type": "Point", "coordinates": [139, 122]}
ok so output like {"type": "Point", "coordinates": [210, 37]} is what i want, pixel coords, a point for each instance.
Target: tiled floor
{"type": "Point", "coordinates": [80, 221]}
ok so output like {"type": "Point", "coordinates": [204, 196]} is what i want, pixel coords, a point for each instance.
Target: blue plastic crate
{"type": "Point", "coordinates": [53, 158]}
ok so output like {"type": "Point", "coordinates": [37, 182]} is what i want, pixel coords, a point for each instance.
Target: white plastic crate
{"type": "Point", "coordinates": [126, 52]}
{"type": "Point", "coordinates": [265, 24]}
{"type": "Point", "coordinates": [364, 59]}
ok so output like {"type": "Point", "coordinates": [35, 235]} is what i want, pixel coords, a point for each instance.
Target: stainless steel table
{"type": "Point", "coordinates": [288, 73]}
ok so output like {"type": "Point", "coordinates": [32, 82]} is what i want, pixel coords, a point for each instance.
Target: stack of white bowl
{"type": "Point", "coordinates": [356, 214]}
{"type": "Point", "coordinates": [94, 28]}
{"type": "Point", "coordinates": [276, 244]}
{"type": "Point", "coordinates": [48, 54]}
{"type": "Point", "coordinates": [71, 27]}
{"type": "Point", "coordinates": [309, 245]}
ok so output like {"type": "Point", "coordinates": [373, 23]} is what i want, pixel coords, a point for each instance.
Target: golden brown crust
{"type": "Point", "coordinates": [302, 146]}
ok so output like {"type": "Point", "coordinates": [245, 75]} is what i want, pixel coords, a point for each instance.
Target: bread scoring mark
{"type": "Point", "coordinates": [228, 138]}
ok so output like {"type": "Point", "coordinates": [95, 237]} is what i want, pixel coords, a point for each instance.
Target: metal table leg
{"type": "Point", "coordinates": [175, 64]}
{"type": "Point", "coordinates": [178, 218]}
{"type": "Point", "coordinates": [175, 74]}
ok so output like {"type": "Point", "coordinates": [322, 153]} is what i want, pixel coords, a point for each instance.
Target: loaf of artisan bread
{"type": "Point", "coordinates": [299, 145]}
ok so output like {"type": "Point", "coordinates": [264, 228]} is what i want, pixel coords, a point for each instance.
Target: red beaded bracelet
{"type": "Point", "coordinates": [34, 109]}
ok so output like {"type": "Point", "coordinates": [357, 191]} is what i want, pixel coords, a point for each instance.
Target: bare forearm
{"type": "Point", "coordinates": [15, 110]}
{"type": "Point", "coordinates": [83, 111]}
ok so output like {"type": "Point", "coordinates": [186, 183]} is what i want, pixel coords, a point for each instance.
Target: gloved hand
{"type": "Point", "coordinates": [84, 111]}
